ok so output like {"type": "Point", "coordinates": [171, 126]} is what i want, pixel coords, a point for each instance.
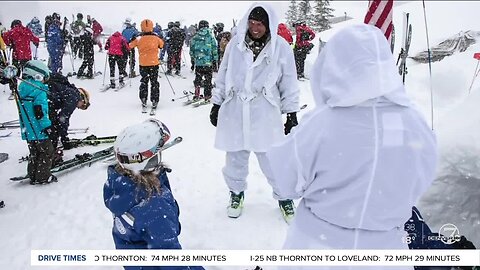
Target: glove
{"type": "Point", "coordinates": [291, 122]}
{"type": "Point", "coordinates": [193, 65]}
{"type": "Point", "coordinates": [214, 114]}
{"type": "Point", "coordinates": [48, 131]}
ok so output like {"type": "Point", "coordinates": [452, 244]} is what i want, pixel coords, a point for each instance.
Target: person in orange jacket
{"type": "Point", "coordinates": [285, 33]}
{"type": "Point", "coordinates": [148, 44]}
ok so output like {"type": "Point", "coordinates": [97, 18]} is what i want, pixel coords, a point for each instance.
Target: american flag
{"type": "Point", "coordinates": [380, 14]}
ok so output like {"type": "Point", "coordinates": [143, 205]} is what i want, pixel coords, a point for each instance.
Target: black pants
{"type": "Point", "coordinates": [174, 59]}
{"type": "Point", "coordinates": [131, 62]}
{"type": "Point", "coordinates": [202, 73]}
{"type": "Point", "coordinates": [19, 64]}
{"type": "Point", "coordinates": [77, 47]}
{"type": "Point", "coordinates": [86, 64]}
{"type": "Point", "coordinates": [300, 56]}
{"type": "Point", "coordinates": [149, 74]}
{"type": "Point", "coordinates": [121, 63]}
{"type": "Point", "coordinates": [40, 161]}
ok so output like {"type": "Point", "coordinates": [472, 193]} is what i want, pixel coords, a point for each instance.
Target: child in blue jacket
{"type": "Point", "coordinates": [137, 192]}
{"type": "Point", "coordinates": [34, 122]}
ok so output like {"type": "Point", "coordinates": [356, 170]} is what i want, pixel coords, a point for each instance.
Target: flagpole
{"type": "Point", "coordinates": [429, 61]}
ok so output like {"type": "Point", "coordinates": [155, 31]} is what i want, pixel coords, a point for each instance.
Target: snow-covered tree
{"type": "Point", "coordinates": [292, 13]}
{"type": "Point", "coordinates": [305, 12]}
{"type": "Point", "coordinates": [321, 15]}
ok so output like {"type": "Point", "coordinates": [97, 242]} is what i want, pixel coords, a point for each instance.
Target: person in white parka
{"type": "Point", "coordinates": [362, 158]}
{"type": "Point", "coordinates": [255, 85]}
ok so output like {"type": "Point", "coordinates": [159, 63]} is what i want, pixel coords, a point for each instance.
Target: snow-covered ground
{"type": "Point", "coordinates": [70, 214]}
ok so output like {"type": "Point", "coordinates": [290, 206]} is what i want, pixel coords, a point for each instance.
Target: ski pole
{"type": "Point", "coordinates": [168, 80]}
{"type": "Point", "coordinates": [71, 57]}
{"type": "Point", "coordinates": [475, 74]}
{"type": "Point", "coordinates": [185, 95]}
{"type": "Point", "coordinates": [35, 53]}
{"type": "Point", "coordinates": [105, 69]}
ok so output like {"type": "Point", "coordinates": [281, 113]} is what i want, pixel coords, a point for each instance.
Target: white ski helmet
{"type": "Point", "coordinates": [137, 147]}
{"type": "Point", "coordinates": [37, 70]}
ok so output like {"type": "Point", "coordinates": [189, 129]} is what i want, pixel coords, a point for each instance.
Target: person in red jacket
{"type": "Point", "coordinates": [97, 33]}
{"type": "Point", "coordinates": [118, 51]}
{"type": "Point", "coordinates": [304, 35]}
{"type": "Point", "coordinates": [284, 32]}
{"type": "Point", "coordinates": [18, 38]}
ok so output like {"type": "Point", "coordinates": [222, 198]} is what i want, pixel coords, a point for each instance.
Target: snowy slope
{"type": "Point", "coordinates": [70, 214]}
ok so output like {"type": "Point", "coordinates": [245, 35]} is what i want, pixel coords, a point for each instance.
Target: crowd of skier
{"type": "Point", "coordinates": [256, 82]}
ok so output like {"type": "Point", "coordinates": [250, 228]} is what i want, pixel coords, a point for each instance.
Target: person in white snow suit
{"type": "Point", "coordinates": [362, 158]}
{"type": "Point", "coordinates": [249, 100]}
{"type": "Point", "coordinates": [138, 193]}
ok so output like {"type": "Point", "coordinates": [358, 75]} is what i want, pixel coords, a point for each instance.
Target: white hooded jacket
{"type": "Point", "coordinates": [254, 94]}
{"type": "Point", "coordinates": [363, 157]}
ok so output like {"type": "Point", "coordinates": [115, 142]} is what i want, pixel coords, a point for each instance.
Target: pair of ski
{"type": "Point", "coordinates": [86, 159]}
{"type": "Point", "coordinates": [197, 102]}
{"type": "Point", "coordinates": [153, 110]}
{"type": "Point", "coordinates": [83, 77]}
{"type": "Point", "coordinates": [108, 87]}
{"type": "Point", "coordinates": [91, 140]}
{"type": "Point", "coordinates": [10, 124]}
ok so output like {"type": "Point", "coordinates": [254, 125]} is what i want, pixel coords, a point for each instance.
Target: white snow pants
{"type": "Point", "coordinates": [235, 171]}
{"type": "Point", "coordinates": [310, 232]}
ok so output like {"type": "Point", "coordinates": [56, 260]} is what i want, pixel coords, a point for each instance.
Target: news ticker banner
{"type": "Point", "coordinates": [164, 257]}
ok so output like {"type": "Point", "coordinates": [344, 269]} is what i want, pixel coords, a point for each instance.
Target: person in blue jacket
{"type": "Point", "coordinates": [35, 26]}
{"type": "Point", "coordinates": [130, 32]}
{"type": "Point", "coordinates": [55, 44]}
{"type": "Point", "coordinates": [34, 122]}
{"type": "Point", "coordinates": [138, 193]}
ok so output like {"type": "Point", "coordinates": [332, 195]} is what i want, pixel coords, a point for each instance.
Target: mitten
{"type": "Point", "coordinates": [214, 114]}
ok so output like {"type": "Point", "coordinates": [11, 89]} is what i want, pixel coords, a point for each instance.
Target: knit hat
{"type": "Point", "coordinates": [147, 26]}
{"type": "Point", "coordinates": [202, 24]}
{"type": "Point", "coordinates": [259, 14]}
{"type": "Point", "coordinates": [15, 23]}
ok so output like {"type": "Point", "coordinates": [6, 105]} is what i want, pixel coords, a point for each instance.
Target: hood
{"type": "Point", "coordinates": [120, 193]}
{"type": "Point", "coordinates": [282, 26]}
{"type": "Point", "coordinates": [117, 34]}
{"type": "Point", "coordinates": [356, 66]}
{"type": "Point", "coordinates": [242, 28]}
{"type": "Point", "coordinates": [204, 32]}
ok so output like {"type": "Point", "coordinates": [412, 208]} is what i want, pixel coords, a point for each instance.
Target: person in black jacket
{"type": "Point", "coordinates": [177, 38]}
{"type": "Point", "coordinates": [63, 99]}
{"type": "Point", "coordinates": [88, 59]}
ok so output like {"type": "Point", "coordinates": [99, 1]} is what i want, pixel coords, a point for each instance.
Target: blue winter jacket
{"type": "Point", "coordinates": [155, 220]}
{"type": "Point", "coordinates": [33, 104]}
{"type": "Point", "coordinates": [140, 223]}
{"type": "Point", "coordinates": [54, 40]}
{"type": "Point", "coordinates": [35, 26]}
{"type": "Point", "coordinates": [130, 33]}
{"type": "Point", "coordinates": [203, 48]}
